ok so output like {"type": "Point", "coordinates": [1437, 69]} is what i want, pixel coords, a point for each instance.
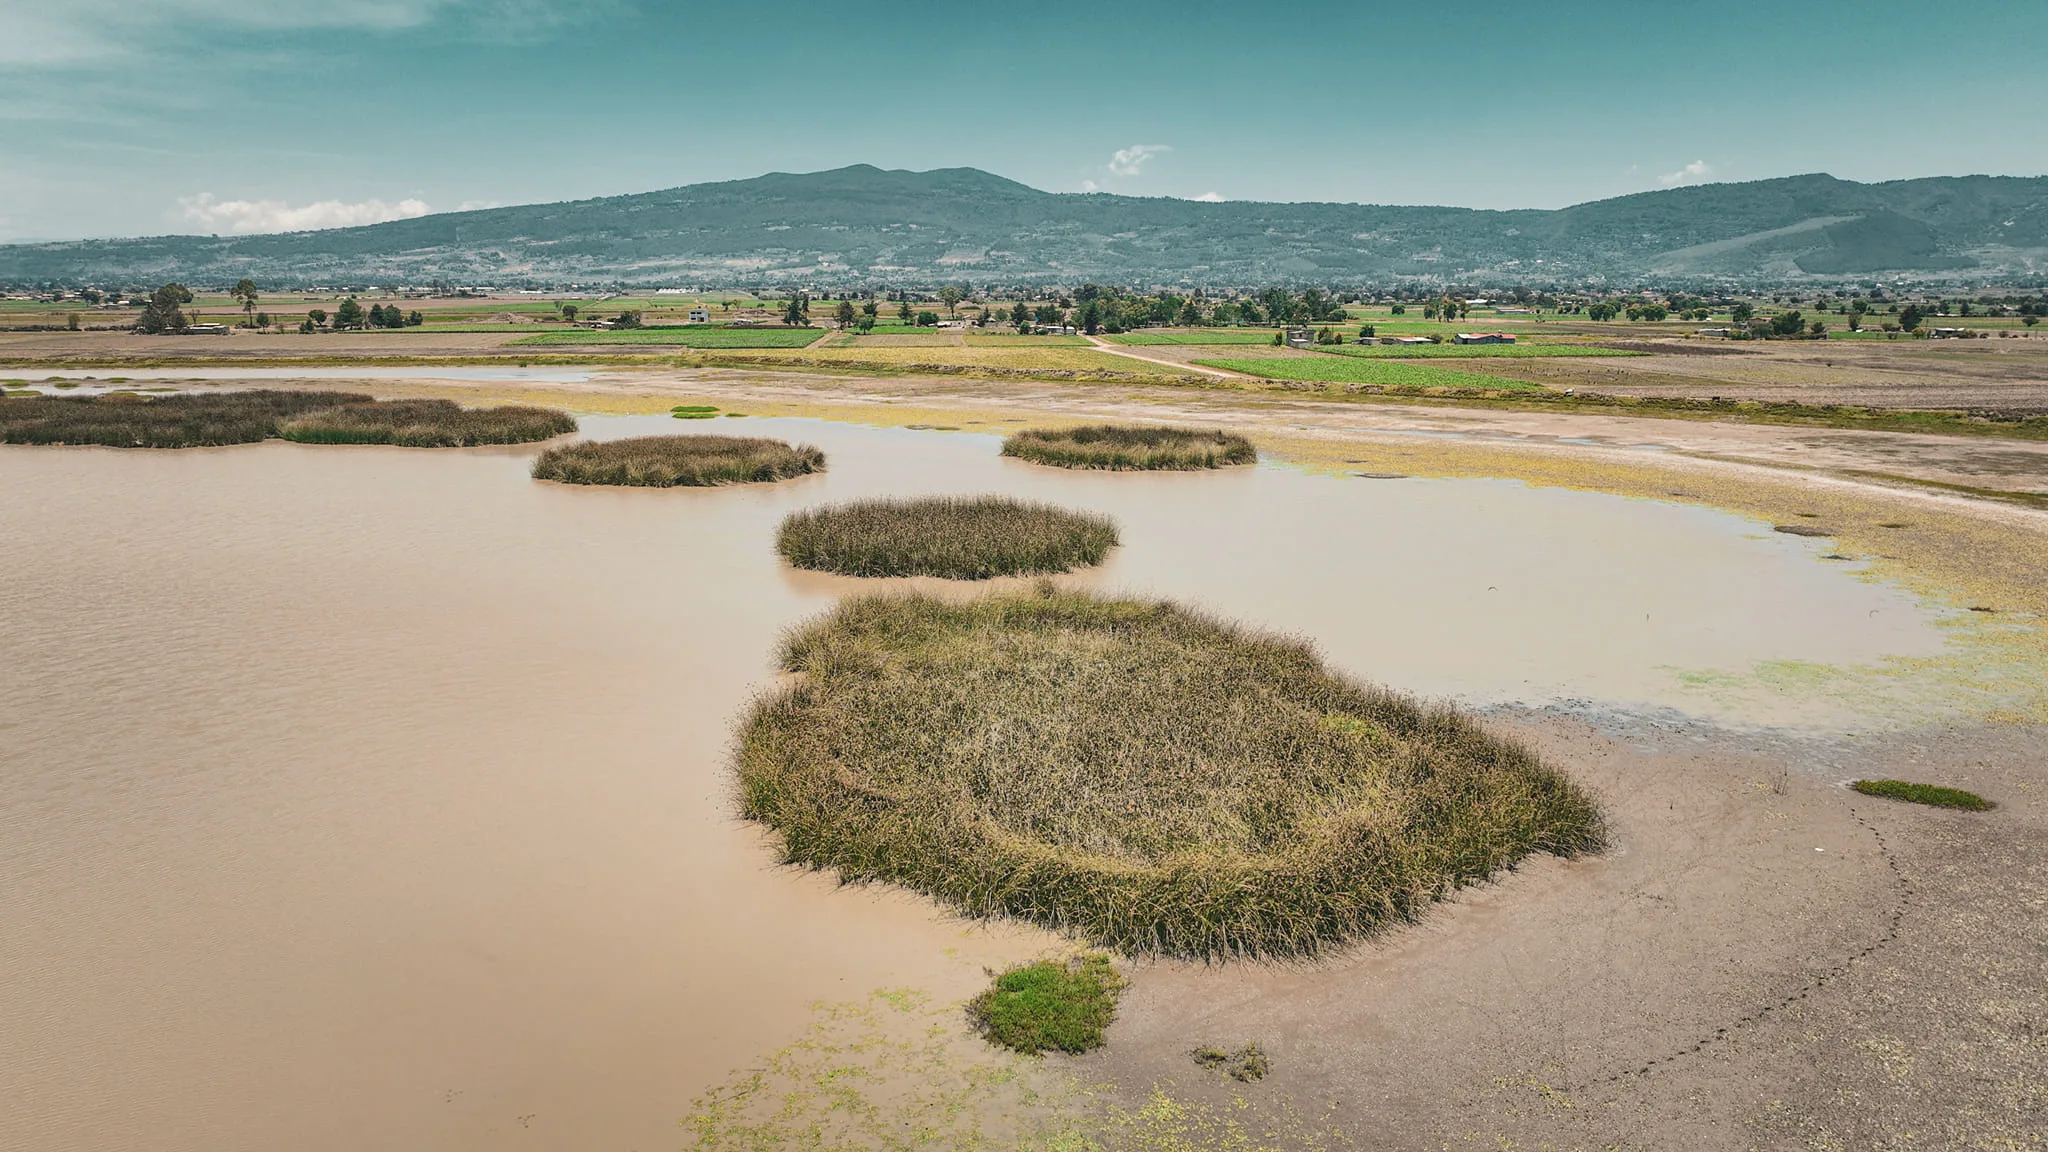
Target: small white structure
{"type": "Point", "coordinates": [700, 315]}
{"type": "Point", "coordinates": [206, 330]}
{"type": "Point", "coordinates": [1485, 338]}
{"type": "Point", "coordinates": [1406, 340]}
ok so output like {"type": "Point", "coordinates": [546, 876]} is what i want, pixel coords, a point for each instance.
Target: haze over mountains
{"type": "Point", "coordinates": [862, 226]}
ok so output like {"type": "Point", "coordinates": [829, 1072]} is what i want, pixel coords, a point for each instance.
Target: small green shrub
{"type": "Point", "coordinates": [1245, 1065]}
{"type": "Point", "coordinates": [677, 461]}
{"type": "Point", "coordinates": [1931, 794]}
{"type": "Point", "coordinates": [1050, 1006]}
{"type": "Point", "coordinates": [957, 538]}
{"type": "Point", "coordinates": [1116, 447]}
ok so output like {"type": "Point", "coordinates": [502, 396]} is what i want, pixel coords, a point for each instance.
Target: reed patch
{"type": "Point", "coordinates": [1131, 447]}
{"type": "Point", "coordinates": [1135, 773]}
{"type": "Point", "coordinates": [677, 461]}
{"type": "Point", "coordinates": [958, 538]}
{"type": "Point", "coordinates": [185, 420]}
{"type": "Point", "coordinates": [426, 424]}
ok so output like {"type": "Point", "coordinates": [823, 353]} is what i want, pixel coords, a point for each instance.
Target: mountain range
{"type": "Point", "coordinates": [864, 226]}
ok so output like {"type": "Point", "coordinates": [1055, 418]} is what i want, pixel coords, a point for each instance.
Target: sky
{"type": "Point", "coordinates": [144, 117]}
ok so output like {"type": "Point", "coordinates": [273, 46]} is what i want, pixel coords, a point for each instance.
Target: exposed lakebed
{"type": "Point", "coordinates": [380, 797]}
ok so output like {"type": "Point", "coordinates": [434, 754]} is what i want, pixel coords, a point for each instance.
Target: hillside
{"type": "Point", "coordinates": [865, 226]}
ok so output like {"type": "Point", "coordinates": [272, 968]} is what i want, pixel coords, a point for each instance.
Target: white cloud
{"type": "Point", "coordinates": [1128, 161]}
{"type": "Point", "coordinates": [1211, 197]}
{"type": "Point", "coordinates": [75, 33]}
{"type": "Point", "coordinates": [1090, 186]}
{"type": "Point", "coordinates": [1692, 173]}
{"type": "Point", "coordinates": [245, 216]}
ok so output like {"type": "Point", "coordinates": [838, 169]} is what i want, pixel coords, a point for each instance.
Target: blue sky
{"type": "Point", "coordinates": [127, 117]}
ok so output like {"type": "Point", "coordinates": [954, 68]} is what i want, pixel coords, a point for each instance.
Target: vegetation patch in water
{"type": "Point", "coordinates": [1050, 1006]}
{"type": "Point", "coordinates": [427, 424]}
{"type": "Point", "coordinates": [958, 538]}
{"type": "Point", "coordinates": [677, 461]}
{"type": "Point", "coordinates": [1931, 794]}
{"type": "Point", "coordinates": [186, 420]}
{"type": "Point", "coordinates": [693, 411]}
{"type": "Point", "coordinates": [1135, 773]}
{"type": "Point", "coordinates": [1119, 447]}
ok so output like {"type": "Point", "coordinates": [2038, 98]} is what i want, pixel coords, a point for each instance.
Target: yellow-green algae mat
{"type": "Point", "coordinates": [898, 1072]}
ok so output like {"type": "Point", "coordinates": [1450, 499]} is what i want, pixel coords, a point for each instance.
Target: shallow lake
{"type": "Point", "coordinates": [365, 797]}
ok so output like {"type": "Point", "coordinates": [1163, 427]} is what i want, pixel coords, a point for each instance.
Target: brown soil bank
{"type": "Point", "coordinates": [1765, 960]}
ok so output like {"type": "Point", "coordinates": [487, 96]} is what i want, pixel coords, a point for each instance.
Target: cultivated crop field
{"type": "Point", "coordinates": [1053, 359]}
{"type": "Point", "coordinates": [682, 337]}
{"type": "Point", "coordinates": [1358, 370]}
{"type": "Point", "coordinates": [1208, 336]}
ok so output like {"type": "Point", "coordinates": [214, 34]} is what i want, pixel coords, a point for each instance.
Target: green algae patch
{"type": "Point", "coordinates": [1050, 1006]}
{"type": "Point", "coordinates": [1929, 794]}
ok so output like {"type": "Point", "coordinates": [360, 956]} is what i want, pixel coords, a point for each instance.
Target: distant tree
{"type": "Point", "coordinates": [844, 315]}
{"type": "Point", "coordinates": [1248, 312]}
{"type": "Point", "coordinates": [1279, 338]}
{"type": "Point", "coordinates": [1190, 314]}
{"type": "Point", "coordinates": [245, 291]}
{"type": "Point", "coordinates": [1787, 324]}
{"type": "Point", "coordinates": [1911, 317]}
{"type": "Point", "coordinates": [797, 313]}
{"type": "Point", "coordinates": [569, 312]}
{"type": "Point", "coordinates": [1090, 320]}
{"type": "Point", "coordinates": [263, 319]}
{"type": "Point", "coordinates": [348, 314]}
{"type": "Point", "coordinates": [1399, 309]}
{"type": "Point", "coordinates": [628, 319]}
{"type": "Point", "coordinates": [1856, 320]}
{"type": "Point", "coordinates": [870, 311]}
{"type": "Point", "coordinates": [1366, 332]}
{"type": "Point", "coordinates": [2030, 319]}
{"type": "Point", "coordinates": [1818, 329]}
{"type": "Point", "coordinates": [414, 319]}
{"type": "Point", "coordinates": [317, 316]}
{"type": "Point", "coordinates": [865, 324]}
{"type": "Point", "coordinates": [950, 295]}
{"type": "Point", "coordinates": [165, 310]}
{"type": "Point", "coordinates": [1654, 312]}
{"type": "Point", "coordinates": [903, 312]}
{"type": "Point", "coordinates": [1020, 315]}
{"type": "Point", "coordinates": [927, 319]}
{"type": "Point", "coordinates": [1046, 314]}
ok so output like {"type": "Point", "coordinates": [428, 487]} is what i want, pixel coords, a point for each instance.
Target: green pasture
{"type": "Point", "coordinates": [1358, 370]}
{"type": "Point", "coordinates": [1469, 351]}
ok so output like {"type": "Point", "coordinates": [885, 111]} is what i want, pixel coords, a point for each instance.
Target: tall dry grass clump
{"type": "Point", "coordinates": [1125, 447]}
{"type": "Point", "coordinates": [677, 461]}
{"type": "Point", "coordinates": [185, 420]}
{"type": "Point", "coordinates": [426, 424]}
{"type": "Point", "coordinates": [1136, 773]}
{"type": "Point", "coordinates": [959, 538]}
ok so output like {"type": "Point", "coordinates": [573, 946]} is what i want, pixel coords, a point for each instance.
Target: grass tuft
{"type": "Point", "coordinates": [1931, 794]}
{"type": "Point", "coordinates": [958, 538]}
{"type": "Point", "coordinates": [1130, 448]}
{"type": "Point", "coordinates": [1057, 1006]}
{"type": "Point", "coordinates": [426, 424]}
{"type": "Point", "coordinates": [677, 461]}
{"type": "Point", "coordinates": [1135, 773]}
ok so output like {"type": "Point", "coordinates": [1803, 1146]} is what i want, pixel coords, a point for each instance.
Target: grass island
{"type": "Point", "coordinates": [1131, 447]}
{"type": "Point", "coordinates": [958, 538]}
{"type": "Point", "coordinates": [212, 419]}
{"type": "Point", "coordinates": [426, 424]}
{"type": "Point", "coordinates": [1134, 773]}
{"type": "Point", "coordinates": [678, 461]}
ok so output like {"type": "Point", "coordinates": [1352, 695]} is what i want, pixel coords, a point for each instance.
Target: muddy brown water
{"type": "Point", "coordinates": [364, 797]}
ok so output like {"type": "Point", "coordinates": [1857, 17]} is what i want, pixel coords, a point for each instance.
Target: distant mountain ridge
{"type": "Point", "coordinates": [866, 226]}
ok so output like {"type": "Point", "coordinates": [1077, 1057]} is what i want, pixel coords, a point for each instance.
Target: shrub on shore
{"type": "Point", "coordinates": [185, 420]}
{"type": "Point", "coordinates": [1053, 1005]}
{"type": "Point", "coordinates": [1136, 773]}
{"type": "Point", "coordinates": [1930, 794]}
{"type": "Point", "coordinates": [959, 538]}
{"type": "Point", "coordinates": [426, 424]}
{"type": "Point", "coordinates": [1130, 447]}
{"type": "Point", "coordinates": [677, 461]}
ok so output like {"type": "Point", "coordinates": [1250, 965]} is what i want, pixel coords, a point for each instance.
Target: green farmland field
{"type": "Point", "coordinates": [1210, 336]}
{"type": "Point", "coordinates": [684, 337]}
{"type": "Point", "coordinates": [1359, 370]}
{"type": "Point", "coordinates": [1469, 351]}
